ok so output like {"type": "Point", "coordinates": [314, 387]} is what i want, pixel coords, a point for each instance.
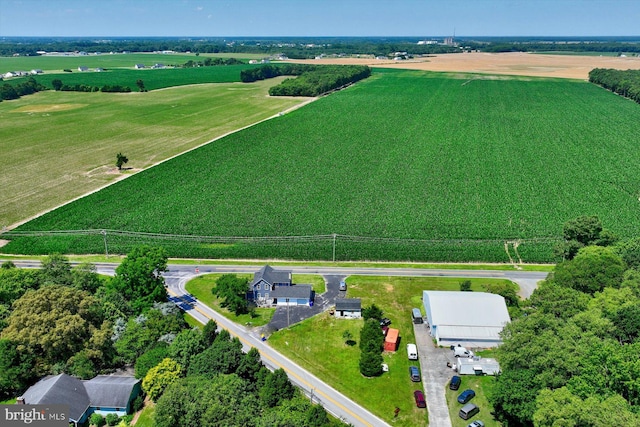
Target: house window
{"type": "Point", "coordinates": [266, 295]}
{"type": "Point", "coordinates": [258, 287]}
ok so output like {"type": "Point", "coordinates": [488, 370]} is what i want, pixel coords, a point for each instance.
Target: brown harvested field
{"type": "Point", "coordinates": [513, 63]}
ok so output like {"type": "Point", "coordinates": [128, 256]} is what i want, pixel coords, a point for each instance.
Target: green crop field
{"type": "Point", "coordinates": [119, 60]}
{"type": "Point", "coordinates": [59, 145]}
{"type": "Point", "coordinates": [420, 166]}
{"type": "Point", "coordinates": [153, 79]}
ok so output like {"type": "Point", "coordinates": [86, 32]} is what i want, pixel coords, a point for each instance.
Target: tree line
{"type": "Point", "coordinates": [8, 91]}
{"type": "Point", "coordinates": [622, 82]}
{"type": "Point", "coordinates": [59, 86]}
{"type": "Point", "coordinates": [571, 356]}
{"type": "Point", "coordinates": [312, 80]}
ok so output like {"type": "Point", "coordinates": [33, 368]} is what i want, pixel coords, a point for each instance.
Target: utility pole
{"type": "Point", "coordinates": [106, 249]}
{"type": "Point", "coordinates": [334, 247]}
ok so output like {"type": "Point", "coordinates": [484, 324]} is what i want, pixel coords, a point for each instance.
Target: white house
{"type": "Point", "coordinates": [477, 366]}
{"type": "Point", "coordinates": [472, 319]}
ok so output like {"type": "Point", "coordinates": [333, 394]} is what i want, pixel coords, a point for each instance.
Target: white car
{"type": "Point", "coordinates": [476, 424]}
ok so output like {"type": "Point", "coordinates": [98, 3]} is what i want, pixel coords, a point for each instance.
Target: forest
{"type": "Point", "coordinates": [570, 357]}
{"type": "Point", "coordinates": [70, 319]}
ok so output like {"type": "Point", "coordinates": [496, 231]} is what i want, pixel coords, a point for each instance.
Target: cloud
{"type": "Point", "coordinates": [199, 8]}
{"type": "Point", "coordinates": [209, 16]}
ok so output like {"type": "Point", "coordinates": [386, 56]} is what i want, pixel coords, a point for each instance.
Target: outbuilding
{"type": "Point", "coordinates": [292, 295]}
{"type": "Point", "coordinates": [473, 319]}
{"type": "Point", "coordinates": [391, 340]}
{"type": "Point", "coordinates": [348, 307]}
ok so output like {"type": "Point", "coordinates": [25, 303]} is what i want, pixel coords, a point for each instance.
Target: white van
{"type": "Point", "coordinates": [412, 351]}
{"type": "Point", "coordinates": [462, 352]}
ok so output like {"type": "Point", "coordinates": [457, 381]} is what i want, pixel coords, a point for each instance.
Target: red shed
{"type": "Point", "coordinates": [391, 340]}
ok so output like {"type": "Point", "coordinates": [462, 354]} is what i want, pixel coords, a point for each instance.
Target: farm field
{"type": "Point", "coordinates": [424, 166]}
{"type": "Point", "coordinates": [60, 145]}
{"type": "Point", "coordinates": [49, 63]}
{"type": "Point", "coordinates": [153, 79]}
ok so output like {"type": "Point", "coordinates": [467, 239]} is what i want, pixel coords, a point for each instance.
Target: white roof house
{"type": "Point", "coordinates": [473, 319]}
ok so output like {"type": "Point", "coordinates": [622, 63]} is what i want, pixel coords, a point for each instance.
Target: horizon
{"type": "Point", "coordinates": [310, 18]}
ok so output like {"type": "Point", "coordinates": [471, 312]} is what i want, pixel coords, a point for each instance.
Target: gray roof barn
{"type": "Point", "coordinates": [60, 389]}
{"type": "Point", "coordinates": [110, 390]}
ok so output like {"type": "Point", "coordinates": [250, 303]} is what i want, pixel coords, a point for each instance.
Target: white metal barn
{"type": "Point", "coordinates": [472, 319]}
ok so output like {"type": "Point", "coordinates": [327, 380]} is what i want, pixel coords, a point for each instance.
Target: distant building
{"type": "Point", "coordinates": [81, 68]}
{"type": "Point", "coordinates": [36, 71]}
{"type": "Point", "coordinates": [139, 66]}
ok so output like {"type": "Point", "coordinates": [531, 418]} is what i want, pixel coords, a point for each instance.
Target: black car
{"type": "Point", "coordinates": [385, 321]}
{"type": "Point", "coordinates": [454, 384]}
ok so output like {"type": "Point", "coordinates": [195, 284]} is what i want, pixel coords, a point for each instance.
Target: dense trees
{"type": "Point", "coordinates": [160, 377]}
{"type": "Point", "coordinates": [312, 80]}
{"type": "Point", "coordinates": [573, 357]}
{"type": "Point", "coordinates": [371, 341]}
{"type": "Point", "coordinates": [622, 82]}
{"type": "Point", "coordinates": [139, 277]}
{"type": "Point", "coordinates": [14, 91]}
{"type": "Point", "coordinates": [580, 232]}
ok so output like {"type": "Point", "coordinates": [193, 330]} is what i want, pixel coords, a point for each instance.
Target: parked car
{"type": "Point", "coordinates": [412, 351]}
{"type": "Point", "coordinates": [420, 402]}
{"type": "Point", "coordinates": [454, 384]}
{"type": "Point", "coordinates": [468, 411]}
{"type": "Point", "coordinates": [414, 372]}
{"type": "Point", "coordinates": [476, 423]}
{"type": "Point", "coordinates": [343, 285]}
{"type": "Point", "coordinates": [466, 396]}
{"type": "Point", "coordinates": [385, 321]}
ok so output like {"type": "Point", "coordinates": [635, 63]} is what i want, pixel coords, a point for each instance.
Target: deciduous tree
{"type": "Point", "coordinates": [160, 377]}
{"type": "Point", "coordinates": [139, 277]}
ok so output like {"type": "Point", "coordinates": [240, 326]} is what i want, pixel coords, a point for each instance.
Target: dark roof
{"type": "Point", "coordinates": [293, 292]}
{"type": "Point", "coordinates": [61, 389]}
{"type": "Point", "coordinates": [348, 304]}
{"type": "Point", "coordinates": [268, 274]}
{"type": "Point", "coordinates": [110, 390]}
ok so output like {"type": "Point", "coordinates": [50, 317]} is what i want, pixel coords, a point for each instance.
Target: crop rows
{"type": "Point", "coordinates": [402, 155]}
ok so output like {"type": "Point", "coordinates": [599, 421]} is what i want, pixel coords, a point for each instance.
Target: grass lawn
{"type": "Point", "coordinates": [201, 286]}
{"type": "Point", "coordinates": [8, 402]}
{"type": "Point", "coordinates": [482, 386]}
{"type": "Point", "coordinates": [192, 321]}
{"type": "Point", "coordinates": [146, 416]}
{"type": "Point", "coordinates": [319, 346]}
{"type": "Point", "coordinates": [64, 144]}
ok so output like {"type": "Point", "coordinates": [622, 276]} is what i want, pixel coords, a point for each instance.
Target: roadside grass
{"type": "Point", "coordinates": [318, 344]}
{"type": "Point", "coordinates": [192, 321]}
{"type": "Point", "coordinates": [8, 401]}
{"type": "Point", "coordinates": [62, 145]}
{"type": "Point", "coordinates": [483, 386]}
{"type": "Point", "coordinates": [146, 416]}
{"type": "Point", "coordinates": [317, 282]}
{"type": "Point", "coordinates": [353, 264]}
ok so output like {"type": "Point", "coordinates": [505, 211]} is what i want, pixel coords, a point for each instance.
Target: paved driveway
{"type": "Point", "coordinates": [435, 375]}
{"type": "Point", "coordinates": [286, 316]}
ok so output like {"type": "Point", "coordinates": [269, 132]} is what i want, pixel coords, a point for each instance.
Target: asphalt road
{"type": "Point", "coordinates": [320, 392]}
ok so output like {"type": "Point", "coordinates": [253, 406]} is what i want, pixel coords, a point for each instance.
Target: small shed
{"type": "Point", "coordinates": [349, 308]}
{"type": "Point", "coordinates": [391, 340]}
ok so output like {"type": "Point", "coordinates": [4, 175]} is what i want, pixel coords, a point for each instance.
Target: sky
{"type": "Point", "coordinates": [238, 18]}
